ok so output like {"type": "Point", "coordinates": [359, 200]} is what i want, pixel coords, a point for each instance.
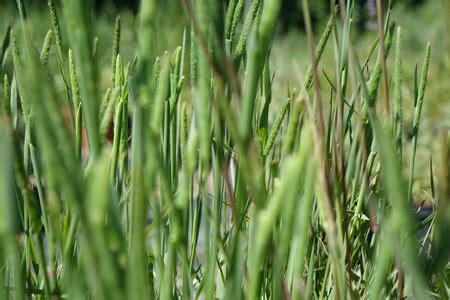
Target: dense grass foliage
{"type": "Point", "coordinates": [186, 179]}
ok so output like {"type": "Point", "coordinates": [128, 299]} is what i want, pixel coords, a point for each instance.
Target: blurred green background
{"type": "Point", "coordinates": [421, 21]}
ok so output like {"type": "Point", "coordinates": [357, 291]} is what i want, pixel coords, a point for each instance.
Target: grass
{"type": "Point", "coordinates": [171, 178]}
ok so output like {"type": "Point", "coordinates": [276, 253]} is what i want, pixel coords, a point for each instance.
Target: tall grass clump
{"type": "Point", "coordinates": [184, 177]}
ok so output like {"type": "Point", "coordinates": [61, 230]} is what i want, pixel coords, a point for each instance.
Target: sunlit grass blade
{"type": "Point", "coordinates": [77, 17]}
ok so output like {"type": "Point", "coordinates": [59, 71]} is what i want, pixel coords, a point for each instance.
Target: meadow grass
{"type": "Point", "coordinates": [174, 182]}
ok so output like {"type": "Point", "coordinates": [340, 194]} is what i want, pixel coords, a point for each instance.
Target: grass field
{"type": "Point", "coordinates": [192, 151]}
